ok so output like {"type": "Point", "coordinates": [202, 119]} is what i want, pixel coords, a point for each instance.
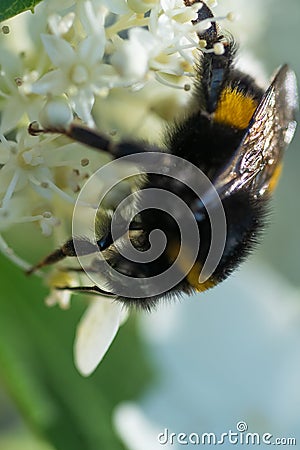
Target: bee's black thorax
{"type": "Point", "coordinates": [203, 142]}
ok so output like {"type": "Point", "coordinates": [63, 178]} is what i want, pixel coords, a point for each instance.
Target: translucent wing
{"type": "Point", "coordinates": [270, 131]}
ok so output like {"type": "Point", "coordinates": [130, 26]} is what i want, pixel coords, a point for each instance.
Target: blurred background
{"type": "Point", "coordinates": [200, 365]}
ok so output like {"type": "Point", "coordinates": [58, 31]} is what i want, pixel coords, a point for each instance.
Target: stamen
{"type": "Point", "coordinates": [11, 189]}
{"type": "Point", "coordinates": [28, 219]}
{"type": "Point", "coordinates": [219, 48]}
{"type": "Point", "coordinates": [205, 24]}
{"type": "Point", "coordinates": [84, 162]}
{"type": "Point", "coordinates": [167, 83]}
{"type": "Point", "coordinates": [231, 16]}
{"type": "Point", "coordinates": [185, 56]}
{"type": "Point", "coordinates": [9, 83]}
{"type": "Point", "coordinates": [48, 184]}
{"type": "Point", "coordinates": [18, 81]}
{"type": "Point", "coordinates": [179, 48]}
{"type": "Point", "coordinates": [4, 142]}
{"type": "Point", "coordinates": [212, 3]}
{"type": "Point", "coordinates": [8, 251]}
{"type": "Point", "coordinates": [59, 191]}
{"type": "Point", "coordinates": [5, 29]}
{"type": "Point", "coordinates": [34, 129]}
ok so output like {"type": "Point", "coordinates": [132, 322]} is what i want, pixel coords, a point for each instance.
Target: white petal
{"type": "Point", "coordinates": [61, 25]}
{"type": "Point", "coordinates": [11, 114]}
{"type": "Point", "coordinates": [82, 104]}
{"type": "Point", "coordinates": [130, 60]}
{"type": "Point", "coordinates": [4, 153]}
{"type": "Point", "coordinates": [91, 49]}
{"type": "Point", "coordinates": [59, 51]}
{"type": "Point", "coordinates": [53, 82]}
{"type": "Point", "coordinates": [61, 298]}
{"type": "Point", "coordinates": [167, 4]}
{"type": "Point", "coordinates": [128, 418]}
{"type": "Point", "coordinates": [140, 6]}
{"type": "Point", "coordinates": [145, 39]}
{"type": "Point", "coordinates": [117, 6]}
{"type": "Point", "coordinates": [95, 333]}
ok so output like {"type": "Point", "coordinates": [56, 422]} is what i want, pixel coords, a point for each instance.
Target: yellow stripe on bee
{"type": "Point", "coordinates": [192, 274]}
{"type": "Point", "coordinates": [193, 279]}
{"type": "Point", "coordinates": [275, 178]}
{"type": "Point", "coordinates": [234, 108]}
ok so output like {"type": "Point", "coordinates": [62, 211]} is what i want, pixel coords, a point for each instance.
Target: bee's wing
{"type": "Point", "coordinates": [270, 131]}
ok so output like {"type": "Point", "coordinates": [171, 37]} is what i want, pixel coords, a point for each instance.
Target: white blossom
{"type": "Point", "coordinates": [89, 59]}
{"type": "Point", "coordinates": [140, 46]}
{"type": "Point", "coordinates": [28, 163]}
{"type": "Point", "coordinates": [78, 73]}
{"type": "Point", "coordinates": [16, 98]}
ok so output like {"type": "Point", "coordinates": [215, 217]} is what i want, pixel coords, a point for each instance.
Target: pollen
{"type": "Point", "coordinates": [202, 43]}
{"type": "Point", "coordinates": [219, 48]}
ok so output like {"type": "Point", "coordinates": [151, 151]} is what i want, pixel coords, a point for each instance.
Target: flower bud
{"type": "Point", "coordinates": [56, 114]}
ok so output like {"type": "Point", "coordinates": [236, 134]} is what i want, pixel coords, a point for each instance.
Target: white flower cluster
{"type": "Point", "coordinates": [79, 52]}
{"type": "Point", "coordinates": [113, 62]}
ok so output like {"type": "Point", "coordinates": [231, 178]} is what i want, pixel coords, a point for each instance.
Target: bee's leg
{"type": "Point", "coordinates": [87, 290]}
{"type": "Point", "coordinates": [96, 266]}
{"type": "Point", "coordinates": [101, 142]}
{"type": "Point", "coordinates": [77, 269]}
{"type": "Point", "coordinates": [98, 141]}
{"type": "Point", "coordinates": [78, 248]}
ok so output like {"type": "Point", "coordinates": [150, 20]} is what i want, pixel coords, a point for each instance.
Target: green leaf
{"type": "Point", "coordinates": [9, 8]}
{"type": "Point", "coordinates": [20, 440]}
{"type": "Point", "coordinates": [36, 366]}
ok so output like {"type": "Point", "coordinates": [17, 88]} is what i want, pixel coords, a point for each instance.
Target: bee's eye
{"type": "Point", "coordinates": [105, 242]}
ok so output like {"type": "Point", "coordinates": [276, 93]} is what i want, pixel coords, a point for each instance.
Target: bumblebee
{"type": "Point", "coordinates": [236, 134]}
